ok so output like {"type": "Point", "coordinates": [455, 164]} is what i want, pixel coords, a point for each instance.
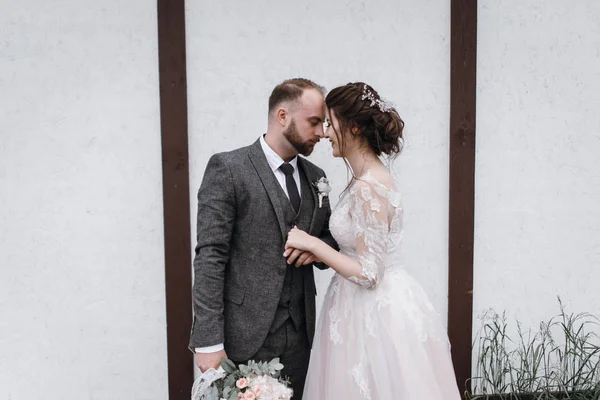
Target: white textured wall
{"type": "Point", "coordinates": [239, 50]}
{"type": "Point", "coordinates": [82, 312]}
{"type": "Point", "coordinates": [538, 145]}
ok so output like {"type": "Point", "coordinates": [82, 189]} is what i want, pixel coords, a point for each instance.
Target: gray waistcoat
{"type": "Point", "coordinates": [291, 303]}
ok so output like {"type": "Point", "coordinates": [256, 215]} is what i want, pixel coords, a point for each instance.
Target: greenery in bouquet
{"type": "Point", "coordinates": [255, 381]}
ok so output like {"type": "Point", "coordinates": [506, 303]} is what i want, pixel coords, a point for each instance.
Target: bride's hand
{"type": "Point", "coordinates": [300, 240]}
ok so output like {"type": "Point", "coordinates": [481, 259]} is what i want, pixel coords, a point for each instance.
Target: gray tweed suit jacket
{"type": "Point", "coordinates": [239, 267]}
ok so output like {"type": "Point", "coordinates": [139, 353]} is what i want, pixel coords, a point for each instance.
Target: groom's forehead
{"type": "Point", "coordinates": [311, 112]}
{"type": "Point", "coordinates": [312, 104]}
{"type": "Point", "coordinates": [311, 98]}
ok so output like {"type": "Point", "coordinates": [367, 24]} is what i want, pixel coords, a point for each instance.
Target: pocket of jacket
{"type": "Point", "coordinates": [234, 294]}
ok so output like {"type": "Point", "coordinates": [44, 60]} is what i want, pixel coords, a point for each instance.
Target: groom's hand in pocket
{"type": "Point", "coordinates": [206, 361]}
{"type": "Point", "coordinates": [299, 257]}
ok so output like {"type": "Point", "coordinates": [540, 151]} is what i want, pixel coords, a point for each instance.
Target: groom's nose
{"type": "Point", "coordinates": [320, 133]}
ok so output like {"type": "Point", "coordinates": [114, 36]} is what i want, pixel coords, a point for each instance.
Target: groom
{"type": "Point", "coordinates": [251, 303]}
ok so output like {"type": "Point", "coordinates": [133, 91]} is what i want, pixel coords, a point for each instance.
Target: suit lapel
{"type": "Point", "coordinates": [308, 172]}
{"type": "Point", "coordinates": [259, 160]}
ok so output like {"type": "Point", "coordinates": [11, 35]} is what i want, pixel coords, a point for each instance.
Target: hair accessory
{"type": "Point", "coordinates": [383, 105]}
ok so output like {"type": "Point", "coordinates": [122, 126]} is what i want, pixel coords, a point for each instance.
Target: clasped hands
{"type": "Point", "coordinates": [297, 248]}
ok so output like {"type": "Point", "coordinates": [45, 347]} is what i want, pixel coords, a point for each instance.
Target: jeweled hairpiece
{"type": "Point", "coordinates": [384, 106]}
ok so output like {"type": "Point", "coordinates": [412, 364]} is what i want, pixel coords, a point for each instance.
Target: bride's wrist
{"type": "Point", "coordinates": [313, 245]}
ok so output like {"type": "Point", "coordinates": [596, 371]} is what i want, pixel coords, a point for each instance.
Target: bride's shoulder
{"type": "Point", "coordinates": [376, 184]}
{"type": "Point", "coordinates": [379, 178]}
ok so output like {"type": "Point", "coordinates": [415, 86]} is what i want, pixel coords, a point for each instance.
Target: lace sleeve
{"type": "Point", "coordinates": [370, 224]}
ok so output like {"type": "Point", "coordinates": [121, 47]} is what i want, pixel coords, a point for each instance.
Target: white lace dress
{"type": "Point", "coordinates": [378, 338]}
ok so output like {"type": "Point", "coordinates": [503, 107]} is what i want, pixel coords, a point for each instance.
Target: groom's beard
{"type": "Point", "coordinates": [293, 136]}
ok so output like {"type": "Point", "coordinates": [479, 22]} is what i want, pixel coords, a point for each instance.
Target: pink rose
{"type": "Point", "coordinates": [240, 396]}
{"type": "Point", "coordinates": [257, 390]}
{"type": "Point", "coordinates": [249, 395]}
{"type": "Point", "coordinates": [241, 383]}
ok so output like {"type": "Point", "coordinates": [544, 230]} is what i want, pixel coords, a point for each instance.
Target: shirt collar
{"type": "Point", "coordinates": [273, 158]}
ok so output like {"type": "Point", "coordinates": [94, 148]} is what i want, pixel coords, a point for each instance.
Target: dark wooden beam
{"type": "Point", "coordinates": [176, 199]}
{"type": "Point", "coordinates": [463, 62]}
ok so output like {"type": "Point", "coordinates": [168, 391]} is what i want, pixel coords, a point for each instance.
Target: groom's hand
{"type": "Point", "coordinates": [299, 257]}
{"type": "Point", "coordinates": [206, 361]}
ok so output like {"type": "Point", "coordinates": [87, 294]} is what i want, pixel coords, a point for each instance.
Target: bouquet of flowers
{"type": "Point", "coordinates": [255, 381]}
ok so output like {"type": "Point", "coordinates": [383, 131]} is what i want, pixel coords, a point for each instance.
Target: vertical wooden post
{"type": "Point", "coordinates": [463, 63]}
{"type": "Point", "coordinates": [176, 203]}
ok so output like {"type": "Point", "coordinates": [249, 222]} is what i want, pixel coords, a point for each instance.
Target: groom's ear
{"type": "Point", "coordinates": [281, 115]}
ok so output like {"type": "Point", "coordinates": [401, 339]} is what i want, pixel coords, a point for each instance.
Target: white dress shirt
{"type": "Point", "coordinates": [275, 162]}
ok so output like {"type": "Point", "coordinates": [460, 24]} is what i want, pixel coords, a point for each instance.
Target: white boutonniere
{"type": "Point", "coordinates": [323, 188]}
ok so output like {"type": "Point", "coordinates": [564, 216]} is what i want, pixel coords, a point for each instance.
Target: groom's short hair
{"type": "Point", "coordinates": [291, 90]}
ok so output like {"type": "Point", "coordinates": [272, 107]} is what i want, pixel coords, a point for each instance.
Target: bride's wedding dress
{"type": "Point", "coordinates": [379, 337]}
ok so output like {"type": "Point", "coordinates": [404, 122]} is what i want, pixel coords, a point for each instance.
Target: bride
{"type": "Point", "coordinates": [379, 336]}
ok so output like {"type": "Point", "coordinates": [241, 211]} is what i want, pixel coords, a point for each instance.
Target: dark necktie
{"type": "Point", "coordinates": [290, 183]}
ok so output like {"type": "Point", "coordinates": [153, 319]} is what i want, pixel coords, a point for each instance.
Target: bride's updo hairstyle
{"type": "Point", "coordinates": [358, 105]}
